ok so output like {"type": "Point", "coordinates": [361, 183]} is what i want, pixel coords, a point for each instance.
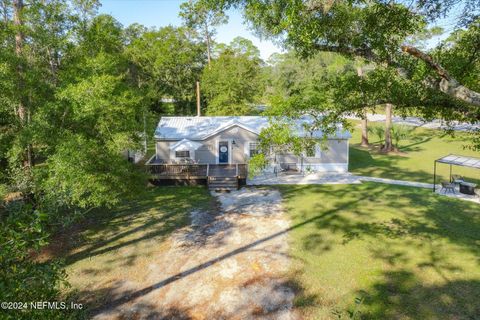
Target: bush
{"type": "Point", "coordinates": [378, 131]}
{"type": "Point", "coordinates": [400, 133]}
{"type": "Point", "coordinates": [21, 278]}
{"type": "Point", "coordinates": [256, 164]}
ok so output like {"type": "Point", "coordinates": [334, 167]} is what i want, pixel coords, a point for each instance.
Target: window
{"type": "Point", "coordinates": [253, 149]}
{"type": "Point", "coordinates": [182, 154]}
{"type": "Point", "coordinates": [312, 151]}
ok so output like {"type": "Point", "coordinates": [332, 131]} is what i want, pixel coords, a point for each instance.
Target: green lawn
{"type": "Point", "coordinates": [415, 162]}
{"type": "Point", "coordinates": [409, 253]}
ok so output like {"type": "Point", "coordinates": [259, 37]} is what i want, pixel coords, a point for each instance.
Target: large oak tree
{"type": "Point", "coordinates": [378, 31]}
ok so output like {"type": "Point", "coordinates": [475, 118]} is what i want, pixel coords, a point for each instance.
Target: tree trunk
{"type": "Point", "coordinates": [365, 142]}
{"type": "Point", "coordinates": [17, 21]}
{"type": "Point", "coordinates": [22, 111]}
{"type": "Point", "coordinates": [207, 39]}
{"type": "Point", "coordinates": [4, 5]}
{"type": "Point", "coordinates": [364, 121]}
{"type": "Point", "coordinates": [388, 128]}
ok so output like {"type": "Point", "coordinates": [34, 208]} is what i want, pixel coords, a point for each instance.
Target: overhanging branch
{"type": "Point", "coordinates": [447, 84]}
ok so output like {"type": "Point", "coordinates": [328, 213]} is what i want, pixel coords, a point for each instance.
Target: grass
{"type": "Point", "coordinates": [415, 162]}
{"type": "Point", "coordinates": [119, 244]}
{"type": "Point", "coordinates": [408, 253]}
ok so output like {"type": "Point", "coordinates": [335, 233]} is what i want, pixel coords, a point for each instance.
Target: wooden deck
{"type": "Point", "coordinates": [196, 171]}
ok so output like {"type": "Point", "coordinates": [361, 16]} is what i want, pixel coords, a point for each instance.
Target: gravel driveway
{"type": "Point", "coordinates": [226, 266]}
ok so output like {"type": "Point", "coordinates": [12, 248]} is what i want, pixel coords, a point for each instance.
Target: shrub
{"type": "Point", "coordinates": [400, 133]}
{"type": "Point", "coordinates": [378, 131]}
{"type": "Point", "coordinates": [22, 279]}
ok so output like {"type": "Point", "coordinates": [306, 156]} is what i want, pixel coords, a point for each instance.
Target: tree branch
{"type": "Point", "coordinates": [427, 59]}
{"type": "Point", "coordinates": [447, 84]}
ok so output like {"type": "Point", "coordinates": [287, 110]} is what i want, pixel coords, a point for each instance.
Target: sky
{"type": "Point", "coordinates": [159, 13]}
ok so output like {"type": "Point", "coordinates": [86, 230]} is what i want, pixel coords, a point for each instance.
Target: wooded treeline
{"type": "Point", "coordinates": [77, 89]}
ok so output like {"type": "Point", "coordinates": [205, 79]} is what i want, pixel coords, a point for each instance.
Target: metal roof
{"type": "Point", "coordinates": [457, 160]}
{"type": "Point", "coordinates": [200, 128]}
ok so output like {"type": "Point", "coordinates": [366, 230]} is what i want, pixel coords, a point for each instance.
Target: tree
{"type": "Point", "coordinates": [96, 115]}
{"type": "Point", "coordinates": [377, 31]}
{"type": "Point", "coordinates": [67, 110]}
{"type": "Point", "coordinates": [232, 83]}
{"type": "Point", "coordinates": [199, 17]}
{"type": "Point", "coordinates": [310, 87]}
{"type": "Point", "coordinates": [364, 120]}
{"type": "Point", "coordinates": [166, 63]}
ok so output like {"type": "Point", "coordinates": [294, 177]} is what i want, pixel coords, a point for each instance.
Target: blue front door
{"type": "Point", "coordinates": [223, 152]}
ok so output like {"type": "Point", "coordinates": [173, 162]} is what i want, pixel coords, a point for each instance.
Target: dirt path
{"type": "Point", "coordinates": [229, 266]}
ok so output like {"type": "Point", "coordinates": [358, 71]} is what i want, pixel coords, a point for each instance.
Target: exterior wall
{"type": "Point", "coordinates": [208, 153]}
{"type": "Point", "coordinates": [331, 157]}
{"type": "Point", "coordinates": [335, 151]}
{"type": "Point", "coordinates": [162, 150]}
{"type": "Point", "coordinates": [239, 150]}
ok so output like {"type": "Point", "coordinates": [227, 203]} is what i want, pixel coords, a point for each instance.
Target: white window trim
{"type": "Point", "coordinates": [246, 148]}
{"type": "Point", "coordinates": [190, 154]}
{"type": "Point", "coordinates": [173, 156]}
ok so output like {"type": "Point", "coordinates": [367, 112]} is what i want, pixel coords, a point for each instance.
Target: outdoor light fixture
{"type": "Point", "coordinates": [233, 142]}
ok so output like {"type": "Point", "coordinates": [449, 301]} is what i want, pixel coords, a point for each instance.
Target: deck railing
{"type": "Point", "coordinates": [198, 170]}
{"type": "Point", "coordinates": [242, 170]}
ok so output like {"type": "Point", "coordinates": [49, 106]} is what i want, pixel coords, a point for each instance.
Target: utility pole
{"type": "Point", "coordinates": [198, 98]}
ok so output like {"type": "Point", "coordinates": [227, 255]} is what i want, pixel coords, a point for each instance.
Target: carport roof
{"type": "Point", "coordinates": [458, 160]}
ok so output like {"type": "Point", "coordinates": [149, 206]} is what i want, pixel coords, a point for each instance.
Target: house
{"type": "Point", "coordinates": [228, 142]}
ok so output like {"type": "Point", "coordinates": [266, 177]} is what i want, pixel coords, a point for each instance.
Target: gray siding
{"type": "Point", "coordinates": [208, 152]}
{"type": "Point", "coordinates": [334, 151]}
{"type": "Point", "coordinates": [241, 137]}
{"type": "Point", "coordinates": [163, 151]}
{"type": "Point", "coordinates": [337, 152]}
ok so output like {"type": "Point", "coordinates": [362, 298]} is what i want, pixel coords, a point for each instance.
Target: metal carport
{"type": "Point", "coordinates": [455, 160]}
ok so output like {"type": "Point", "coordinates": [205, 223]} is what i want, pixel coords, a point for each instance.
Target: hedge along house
{"type": "Point", "coordinates": [204, 147]}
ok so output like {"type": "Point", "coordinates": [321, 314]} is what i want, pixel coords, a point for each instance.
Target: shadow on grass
{"type": "Point", "coordinates": [325, 218]}
{"type": "Point", "coordinates": [438, 218]}
{"type": "Point", "coordinates": [385, 166]}
{"type": "Point", "coordinates": [423, 224]}
{"type": "Point", "coordinates": [400, 294]}
{"type": "Point", "coordinates": [154, 215]}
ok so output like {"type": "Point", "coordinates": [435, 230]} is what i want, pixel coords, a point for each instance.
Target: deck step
{"type": "Point", "coordinates": [222, 178]}
{"type": "Point", "coordinates": [223, 183]}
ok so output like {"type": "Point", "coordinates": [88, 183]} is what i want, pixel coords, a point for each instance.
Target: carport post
{"type": "Point", "coordinates": [434, 174]}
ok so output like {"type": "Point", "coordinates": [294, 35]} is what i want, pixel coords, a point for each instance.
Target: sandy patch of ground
{"type": "Point", "coordinates": [228, 266]}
